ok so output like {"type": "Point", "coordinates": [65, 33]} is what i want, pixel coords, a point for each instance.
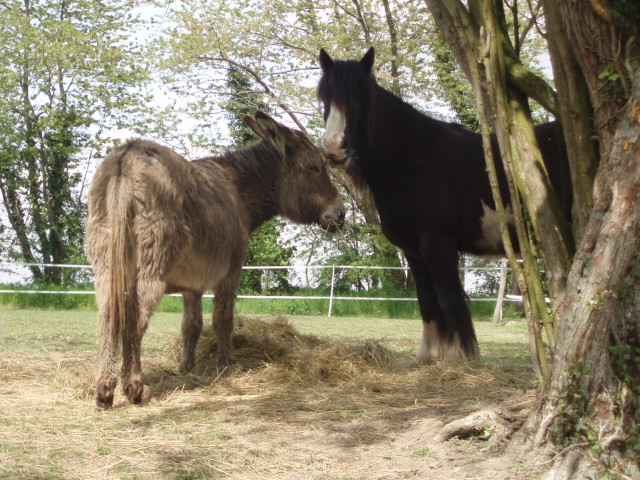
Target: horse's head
{"type": "Point", "coordinates": [344, 89]}
{"type": "Point", "coordinates": [306, 194]}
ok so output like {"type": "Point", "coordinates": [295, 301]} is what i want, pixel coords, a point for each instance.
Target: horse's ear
{"type": "Point", "coordinates": [253, 125]}
{"type": "Point", "coordinates": [325, 60]}
{"type": "Point", "coordinates": [271, 130]}
{"type": "Point", "coordinates": [367, 61]}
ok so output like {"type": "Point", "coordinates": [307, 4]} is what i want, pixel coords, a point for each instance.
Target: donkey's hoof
{"type": "Point", "coordinates": [225, 367]}
{"type": "Point", "coordinates": [105, 390]}
{"type": "Point", "coordinates": [104, 401]}
{"type": "Point", "coordinates": [138, 393]}
{"type": "Point", "coordinates": [147, 396]}
{"type": "Point", "coordinates": [186, 366]}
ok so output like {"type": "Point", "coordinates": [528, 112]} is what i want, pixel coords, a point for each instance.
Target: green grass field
{"type": "Point", "coordinates": [69, 330]}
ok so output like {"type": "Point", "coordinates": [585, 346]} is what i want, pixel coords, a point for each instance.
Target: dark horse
{"type": "Point", "coordinates": [430, 186]}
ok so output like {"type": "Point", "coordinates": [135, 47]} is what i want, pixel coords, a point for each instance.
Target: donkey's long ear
{"type": "Point", "coordinates": [253, 125]}
{"type": "Point", "coordinates": [325, 60]}
{"type": "Point", "coordinates": [367, 61]}
{"type": "Point", "coordinates": [271, 130]}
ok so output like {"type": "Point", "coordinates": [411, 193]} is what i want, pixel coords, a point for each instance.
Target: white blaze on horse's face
{"type": "Point", "coordinates": [334, 133]}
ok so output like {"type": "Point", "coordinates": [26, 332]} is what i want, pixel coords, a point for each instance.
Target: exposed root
{"type": "Point", "coordinates": [485, 425]}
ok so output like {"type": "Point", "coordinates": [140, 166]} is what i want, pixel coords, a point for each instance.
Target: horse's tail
{"type": "Point", "coordinates": [121, 250]}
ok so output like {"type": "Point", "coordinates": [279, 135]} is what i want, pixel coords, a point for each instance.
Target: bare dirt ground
{"type": "Point", "coordinates": [297, 407]}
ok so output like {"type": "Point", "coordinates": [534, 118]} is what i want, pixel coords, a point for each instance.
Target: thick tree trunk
{"type": "Point", "coordinates": [592, 396]}
{"type": "Point", "coordinates": [576, 115]}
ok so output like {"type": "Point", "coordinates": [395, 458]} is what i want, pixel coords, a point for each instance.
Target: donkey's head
{"type": "Point", "coordinates": [306, 192]}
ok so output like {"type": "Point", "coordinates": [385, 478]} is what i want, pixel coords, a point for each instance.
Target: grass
{"type": "Point", "coordinates": [30, 330]}
{"type": "Point", "coordinates": [312, 379]}
{"type": "Point", "coordinates": [272, 306]}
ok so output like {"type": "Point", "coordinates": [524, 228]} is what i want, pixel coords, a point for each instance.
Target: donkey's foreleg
{"type": "Point", "coordinates": [224, 304]}
{"type": "Point", "coordinates": [141, 303]}
{"type": "Point", "coordinates": [223, 325]}
{"type": "Point", "coordinates": [191, 329]}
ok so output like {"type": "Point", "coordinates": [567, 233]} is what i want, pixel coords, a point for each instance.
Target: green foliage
{"type": "Point", "coordinates": [69, 71]}
{"type": "Point", "coordinates": [241, 101]}
{"type": "Point", "coordinates": [628, 11]}
{"type": "Point", "coordinates": [625, 361]}
{"type": "Point", "coordinates": [453, 86]}
{"type": "Point", "coordinates": [275, 44]}
{"type": "Point", "coordinates": [265, 250]}
{"type": "Point", "coordinates": [572, 398]}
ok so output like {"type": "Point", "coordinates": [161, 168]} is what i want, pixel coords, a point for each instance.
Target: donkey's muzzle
{"type": "Point", "coordinates": [333, 219]}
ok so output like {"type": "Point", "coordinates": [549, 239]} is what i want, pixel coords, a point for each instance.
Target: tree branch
{"type": "Point", "coordinates": [259, 80]}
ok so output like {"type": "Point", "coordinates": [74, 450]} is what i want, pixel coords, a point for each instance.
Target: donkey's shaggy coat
{"type": "Point", "coordinates": [159, 224]}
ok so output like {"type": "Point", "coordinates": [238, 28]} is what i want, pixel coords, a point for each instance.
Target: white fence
{"type": "Point", "coordinates": [4, 267]}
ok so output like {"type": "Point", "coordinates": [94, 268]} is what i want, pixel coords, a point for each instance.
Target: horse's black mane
{"type": "Point", "coordinates": [348, 84]}
{"type": "Point", "coordinates": [345, 84]}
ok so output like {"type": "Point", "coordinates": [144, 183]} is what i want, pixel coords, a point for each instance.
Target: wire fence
{"type": "Point", "coordinates": [6, 268]}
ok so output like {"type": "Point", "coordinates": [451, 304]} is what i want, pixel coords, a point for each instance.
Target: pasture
{"type": "Point", "coordinates": [311, 398]}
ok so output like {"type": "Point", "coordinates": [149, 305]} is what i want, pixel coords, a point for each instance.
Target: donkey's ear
{"type": "Point", "coordinates": [325, 60]}
{"type": "Point", "coordinates": [253, 125]}
{"type": "Point", "coordinates": [272, 131]}
{"type": "Point", "coordinates": [367, 61]}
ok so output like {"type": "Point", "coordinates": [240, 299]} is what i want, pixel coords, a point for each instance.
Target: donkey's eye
{"type": "Point", "coordinates": [314, 168]}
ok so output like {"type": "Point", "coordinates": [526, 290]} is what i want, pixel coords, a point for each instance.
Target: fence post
{"type": "Point", "coordinates": [333, 277]}
{"type": "Point", "coordinates": [497, 314]}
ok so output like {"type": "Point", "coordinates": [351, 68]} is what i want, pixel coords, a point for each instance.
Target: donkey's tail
{"type": "Point", "coordinates": [121, 246]}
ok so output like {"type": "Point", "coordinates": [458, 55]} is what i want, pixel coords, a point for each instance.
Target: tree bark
{"type": "Point", "coordinates": [576, 115]}
{"type": "Point", "coordinates": [594, 385]}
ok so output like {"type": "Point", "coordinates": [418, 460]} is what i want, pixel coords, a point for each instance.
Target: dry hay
{"type": "Point", "coordinates": [279, 352]}
{"type": "Point", "coordinates": [272, 354]}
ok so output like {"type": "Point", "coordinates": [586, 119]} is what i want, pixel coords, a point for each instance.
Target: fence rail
{"type": "Point", "coordinates": [331, 297]}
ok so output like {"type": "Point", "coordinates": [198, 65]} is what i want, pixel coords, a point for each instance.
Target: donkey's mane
{"type": "Point", "coordinates": [257, 161]}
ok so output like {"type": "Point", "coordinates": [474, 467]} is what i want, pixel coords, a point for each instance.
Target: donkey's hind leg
{"type": "Point", "coordinates": [107, 379]}
{"type": "Point", "coordinates": [191, 329]}
{"type": "Point", "coordinates": [141, 303]}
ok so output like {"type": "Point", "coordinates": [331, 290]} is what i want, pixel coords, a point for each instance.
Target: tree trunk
{"type": "Point", "coordinates": [592, 397]}
{"type": "Point", "coordinates": [576, 115]}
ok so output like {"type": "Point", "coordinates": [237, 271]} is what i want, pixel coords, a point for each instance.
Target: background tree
{"type": "Point", "coordinates": [264, 247]}
{"type": "Point", "coordinates": [67, 74]}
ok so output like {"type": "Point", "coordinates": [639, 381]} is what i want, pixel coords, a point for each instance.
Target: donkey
{"type": "Point", "coordinates": [158, 224]}
{"type": "Point", "coordinates": [430, 186]}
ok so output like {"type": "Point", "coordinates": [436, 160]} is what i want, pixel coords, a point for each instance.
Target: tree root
{"type": "Point", "coordinates": [484, 424]}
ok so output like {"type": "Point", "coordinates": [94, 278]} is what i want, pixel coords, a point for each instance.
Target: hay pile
{"type": "Point", "coordinates": [276, 351]}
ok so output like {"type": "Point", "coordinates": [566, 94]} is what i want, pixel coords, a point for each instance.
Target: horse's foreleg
{"type": "Point", "coordinates": [452, 335]}
{"type": "Point", "coordinates": [432, 347]}
{"type": "Point", "coordinates": [141, 303]}
{"type": "Point", "coordinates": [191, 329]}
